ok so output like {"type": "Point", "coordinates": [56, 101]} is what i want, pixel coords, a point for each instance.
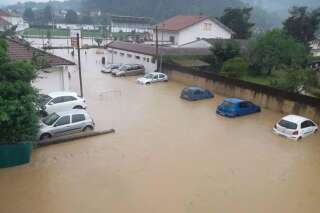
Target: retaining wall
{"type": "Point", "coordinates": [266, 97]}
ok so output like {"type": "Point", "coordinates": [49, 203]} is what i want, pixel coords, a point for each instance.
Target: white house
{"type": "Point", "coordinates": [130, 24]}
{"type": "Point", "coordinates": [180, 30]}
{"type": "Point", "coordinates": [131, 53]}
{"type": "Point", "coordinates": [14, 20]}
{"type": "Point", "coordinates": [54, 76]}
{"type": "Point", "coordinates": [77, 26]}
{"type": "Point", "coordinates": [4, 25]}
{"type": "Point", "coordinates": [315, 47]}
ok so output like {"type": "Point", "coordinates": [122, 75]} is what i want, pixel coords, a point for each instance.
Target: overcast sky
{"type": "Point", "coordinates": [2, 2]}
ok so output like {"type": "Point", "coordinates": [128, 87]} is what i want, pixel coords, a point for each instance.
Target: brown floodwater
{"type": "Point", "coordinates": [167, 155]}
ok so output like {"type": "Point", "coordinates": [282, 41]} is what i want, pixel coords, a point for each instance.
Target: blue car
{"type": "Point", "coordinates": [194, 93]}
{"type": "Point", "coordinates": [233, 107]}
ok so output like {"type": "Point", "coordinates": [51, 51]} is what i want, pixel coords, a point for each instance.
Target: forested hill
{"type": "Point", "coordinates": [161, 9]}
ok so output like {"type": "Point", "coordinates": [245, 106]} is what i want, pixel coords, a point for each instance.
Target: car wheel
{"type": "Point", "coordinates": [315, 131]}
{"type": "Point", "coordinates": [148, 83]}
{"type": "Point", "coordinates": [299, 138]}
{"type": "Point", "coordinates": [78, 107]}
{"type": "Point", "coordinates": [45, 136]}
{"type": "Point", "coordinates": [88, 129]}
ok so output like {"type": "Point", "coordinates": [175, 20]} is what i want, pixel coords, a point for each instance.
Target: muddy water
{"type": "Point", "coordinates": [167, 155]}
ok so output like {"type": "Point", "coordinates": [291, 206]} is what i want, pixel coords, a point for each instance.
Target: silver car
{"type": "Point", "coordinates": [109, 68]}
{"type": "Point", "coordinates": [63, 123]}
{"type": "Point", "coordinates": [129, 70]}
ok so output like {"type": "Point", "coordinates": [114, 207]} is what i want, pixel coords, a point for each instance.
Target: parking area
{"type": "Point", "coordinates": [167, 155]}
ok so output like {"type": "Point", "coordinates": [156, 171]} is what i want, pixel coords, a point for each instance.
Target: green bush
{"type": "Point", "coordinates": [235, 67]}
{"type": "Point", "coordinates": [18, 114]}
{"type": "Point", "coordinates": [295, 79]}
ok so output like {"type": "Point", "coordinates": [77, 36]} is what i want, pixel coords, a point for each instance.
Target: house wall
{"type": "Point", "coordinates": [121, 56]}
{"type": "Point", "coordinates": [128, 28]}
{"type": "Point", "coordinates": [52, 80]}
{"type": "Point", "coordinates": [17, 21]}
{"type": "Point", "coordinates": [198, 31]}
{"type": "Point", "coordinates": [164, 37]}
{"type": "Point", "coordinates": [266, 98]}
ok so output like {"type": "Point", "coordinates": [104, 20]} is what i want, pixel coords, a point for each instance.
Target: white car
{"type": "Point", "coordinates": [152, 78]}
{"type": "Point", "coordinates": [295, 127]}
{"type": "Point", "coordinates": [61, 101]}
{"type": "Point", "coordinates": [63, 123]}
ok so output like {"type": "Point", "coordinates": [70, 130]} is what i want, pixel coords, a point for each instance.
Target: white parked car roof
{"type": "Point", "coordinates": [62, 93]}
{"type": "Point", "coordinates": [72, 112]}
{"type": "Point", "coordinates": [295, 118]}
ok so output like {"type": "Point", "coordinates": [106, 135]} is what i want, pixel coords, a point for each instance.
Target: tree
{"type": "Point", "coordinates": [98, 41]}
{"type": "Point", "coordinates": [302, 24]}
{"type": "Point", "coordinates": [18, 115]}
{"type": "Point", "coordinates": [28, 15]}
{"type": "Point", "coordinates": [71, 17]}
{"type": "Point", "coordinates": [223, 51]}
{"type": "Point", "coordinates": [47, 14]}
{"type": "Point", "coordinates": [86, 20]}
{"type": "Point", "coordinates": [275, 48]}
{"type": "Point", "coordinates": [238, 19]}
{"type": "Point", "coordinates": [295, 79]}
{"type": "Point", "coordinates": [235, 67]}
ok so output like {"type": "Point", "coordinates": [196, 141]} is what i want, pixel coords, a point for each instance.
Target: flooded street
{"type": "Point", "coordinates": [167, 156]}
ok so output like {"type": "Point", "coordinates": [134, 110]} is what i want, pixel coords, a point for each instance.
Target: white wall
{"type": "Point", "coordinates": [120, 56]}
{"type": "Point", "coordinates": [55, 80]}
{"type": "Point", "coordinates": [195, 32]}
{"type": "Point", "coordinates": [198, 31]}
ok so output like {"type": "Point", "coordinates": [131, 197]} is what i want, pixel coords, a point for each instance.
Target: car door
{"type": "Point", "coordinates": [244, 108]}
{"type": "Point", "coordinates": [55, 105]}
{"type": "Point", "coordinates": [162, 77]}
{"type": "Point", "coordinates": [78, 122]}
{"type": "Point", "coordinates": [197, 94]}
{"type": "Point", "coordinates": [62, 126]}
{"type": "Point", "coordinates": [155, 78]}
{"type": "Point", "coordinates": [69, 102]}
{"type": "Point", "coordinates": [307, 128]}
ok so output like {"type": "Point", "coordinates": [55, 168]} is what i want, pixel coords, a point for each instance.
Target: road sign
{"type": "Point", "coordinates": [73, 37]}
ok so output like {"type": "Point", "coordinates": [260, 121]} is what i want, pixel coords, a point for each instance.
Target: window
{"type": "Point", "coordinates": [57, 100]}
{"type": "Point", "coordinates": [244, 105]}
{"type": "Point", "coordinates": [63, 121]}
{"type": "Point", "coordinates": [155, 77]}
{"type": "Point", "coordinates": [148, 59]}
{"type": "Point", "coordinates": [172, 39]}
{"type": "Point", "coordinates": [129, 55]}
{"type": "Point", "coordinates": [306, 124]}
{"type": "Point", "coordinates": [78, 118]}
{"type": "Point", "coordinates": [197, 92]}
{"type": "Point", "coordinates": [137, 57]}
{"type": "Point", "coordinates": [288, 124]}
{"type": "Point", "coordinates": [207, 27]}
{"type": "Point", "coordinates": [161, 76]}
{"type": "Point", "coordinates": [121, 54]}
{"type": "Point", "coordinates": [69, 98]}
{"type": "Point", "coordinates": [153, 60]}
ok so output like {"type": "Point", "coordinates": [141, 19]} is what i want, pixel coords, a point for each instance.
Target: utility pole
{"type": "Point", "coordinates": [157, 48]}
{"type": "Point", "coordinates": [79, 63]}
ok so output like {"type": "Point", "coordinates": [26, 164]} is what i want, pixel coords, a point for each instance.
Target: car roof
{"type": "Point", "coordinates": [72, 112]}
{"type": "Point", "coordinates": [234, 100]}
{"type": "Point", "coordinates": [194, 88]}
{"type": "Point", "coordinates": [295, 118]}
{"type": "Point", "coordinates": [154, 73]}
{"type": "Point", "coordinates": [61, 93]}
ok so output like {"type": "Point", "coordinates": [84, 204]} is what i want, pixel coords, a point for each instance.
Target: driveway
{"type": "Point", "coordinates": [167, 155]}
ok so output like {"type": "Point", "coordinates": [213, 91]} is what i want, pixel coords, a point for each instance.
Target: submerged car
{"type": "Point", "coordinates": [295, 127]}
{"type": "Point", "coordinates": [61, 101]}
{"type": "Point", "coordinates": [152, 78]}
{"type": "Point", "coordinates": [129, 70]}
{"type": "Point", "coordinates": [110, 67]}
{"type": "Point", "coordinates": [67, 122]}
{"type": "Point", "coordinates": [233, 107]}
{"type": "Point", "coordinates": [194, 93]}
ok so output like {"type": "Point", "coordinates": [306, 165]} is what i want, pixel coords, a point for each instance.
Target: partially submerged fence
{"type": "Point", "coordinates": [267, 97]}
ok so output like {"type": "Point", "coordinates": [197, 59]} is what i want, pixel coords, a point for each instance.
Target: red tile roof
{"type": "Point", "coordinates": [151, 50]}
{"type": "Point", "coordinates": [178, 23]}
{"type": "Point", "coordinates": [4, 22]}
{"type": "Point", "coordinates": [18, 51]}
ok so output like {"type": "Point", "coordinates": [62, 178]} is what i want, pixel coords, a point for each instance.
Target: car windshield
{"type": "Point", "coordinates": [124, 68]}
{"type": "Point", "coordinates": [148, 76]}
{"type": "Point", "coordinates": [49, 120]}
{"type": "Point", "coordinates": [288, 124]}
{"type": "Point", "coordinates": [44, 99]}
{"type": "Point", "coordinates": [227, 104]}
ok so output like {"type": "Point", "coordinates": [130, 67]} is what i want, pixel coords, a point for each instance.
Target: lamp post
{"type": "Point", "coordinates": [79, 64]}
